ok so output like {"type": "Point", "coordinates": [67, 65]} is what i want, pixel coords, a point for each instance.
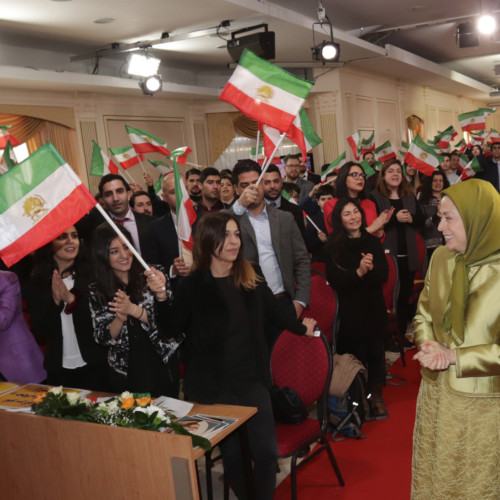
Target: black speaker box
{"type": "Point", "coordinates": [261, 44]}
{"type": "Point", "coordinates": [467, 35]}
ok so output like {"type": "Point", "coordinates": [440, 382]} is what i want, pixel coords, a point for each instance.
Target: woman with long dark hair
{"type": "Point", "coordinates": [57, 299]}
{"type": "Point", "coordinates": [356, 268]}
{"type": "Point", "coordinates": [393, 191]}
{"type": "Point", "coordinates": [428, 200]}
{"type": "Point", "coordinates": [221, 306]}
{"type": "Point", "coordinates": [141, 357]}
{"type": "Point", "coordinates": [351, 183]}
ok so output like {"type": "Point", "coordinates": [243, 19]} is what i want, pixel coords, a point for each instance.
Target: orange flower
{"type": "Point", "coordinates": [143, 401]}
{"type": "Point", "coordinates": [127, 403]}
{"type": "Point", "coordinates": [39, 398]}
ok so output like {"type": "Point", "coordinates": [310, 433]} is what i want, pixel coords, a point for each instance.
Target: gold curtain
{"type": "Point", "coordinates": [64, 140]}
{"type": "Point", "coordinates": [222, 128]}
{"type": "Point", "coordinates": [246, 126]}
{"type": "Point", "coordinates": [23, 128]}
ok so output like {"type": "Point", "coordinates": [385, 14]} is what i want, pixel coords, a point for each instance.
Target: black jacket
{"type": "Point", "coordinates": [199, 310]}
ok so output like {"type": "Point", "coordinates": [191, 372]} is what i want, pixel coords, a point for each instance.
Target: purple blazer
{"type": "Point", "coordinates": [21, 360]}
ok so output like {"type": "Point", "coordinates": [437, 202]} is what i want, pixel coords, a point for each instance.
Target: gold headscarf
{"type": "Point", "coordinates": [478, 204]}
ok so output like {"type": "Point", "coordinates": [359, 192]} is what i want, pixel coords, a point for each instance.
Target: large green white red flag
{"type": "Point", "coordinates": [271, 139]}
{"type": "Point", "coordinates": [475, 120]}
{"type": "Point", "coordinates": [126, 156]}
{"type": "Point", "coordinates": [144, 142]}
{"type": "Point", "coordinates": [185, 212]}
{"type": "Point", "coordinates": [264, 92]}
{"type": "Point", "coordinates": [180, 154]}
{"type": "Point", "coordinates": [494, 136]}
{"type": "Point", "coordinates": [100, 164]}
{"type": "Point", "coordinates": [384, 152]}
{"type": "Point", "coordinates": [471, 169]}
{"type": "Point", "coordinates": [460, 146]}
{"type": "Point", "coordinates": [303, 134]}
{"type": "Point", "coordinates": [404, 148]}
{"type": "Point", "coordinates": [367, 145]}
{"type": "Point", "coordinates": [334, 166]}
{"type": "Point", "coordinates": [353, 141]}
{"type": "Point", "coordinates": [40, 198]}
{"type": "Point", "coordinates": [422, 156]}
{"type": "Point", "coordinates": [6, 136]}
{"type": "Point", "coordinates": [367, 168]}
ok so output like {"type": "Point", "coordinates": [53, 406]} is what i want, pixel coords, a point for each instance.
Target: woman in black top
{"type": "Point", "coordinates": [57, 299]}
{"type": "Point", "coordinates": [141, 356]}
{"type": "Point", "coordinates": [356, 268]}
{"type": "Point", "coordinates": [221, 306]}
{"type": "Point", "coordinates": [393, 191]}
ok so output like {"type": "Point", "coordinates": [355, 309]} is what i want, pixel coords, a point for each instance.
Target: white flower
{"type": "Point", "coordinates": [102, 406]}
{"type": "Point", "coordinates": [126, 395]}
{"type": "Point", "coordinates": [113, 406]}
{"type": "Point", "coordinates": [73, 398]}
{"type": "Point", "coordinates": [149, 410]}
{"type": "Point", "coordinates": [87, 401]}
{"type": "Point", "coordinates": [57, 391]}
{"type": "Point", "coordinates": [141, 410]}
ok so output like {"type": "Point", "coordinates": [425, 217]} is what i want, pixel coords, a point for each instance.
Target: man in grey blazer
{"type": "Point", "coordinates": [271, 239]}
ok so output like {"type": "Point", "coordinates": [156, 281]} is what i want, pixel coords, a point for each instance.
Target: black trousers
{"type": "Point", "coordinates": [262, 442]}
{"type": "Point", "coordinates": [93, 377]}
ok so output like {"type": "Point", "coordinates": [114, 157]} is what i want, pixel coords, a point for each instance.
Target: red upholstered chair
{"type": "Point", "coordinates": [391, 291]}
{"type": "Point", "coordinates": [323, 305]}
{"type": "Point", "coordinates": [318, 266]}
{"type": "Point", "coordinates": [305, 365]}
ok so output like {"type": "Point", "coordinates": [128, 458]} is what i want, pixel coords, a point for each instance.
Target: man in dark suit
{"type": "Point", "coordinates": [307, 175]}
{"type": "Point", "coordinates": [163, 243]}
{"type": "Point", "coordinates": [491, 166]}
{"type": "Point", "coordinates": [273, 186]}
{"type": "Point", "coordinates": [272, 239]}
{"type": "Point", "coordinates": [116, 194]}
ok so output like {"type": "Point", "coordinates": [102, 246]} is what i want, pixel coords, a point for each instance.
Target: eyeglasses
{"type": "Point", "coordinates": [292, 166]}
{"type": "Point", "coordinates": [355, 175]}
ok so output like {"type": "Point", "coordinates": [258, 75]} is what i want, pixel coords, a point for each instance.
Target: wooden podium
{"type": "Point", "coordinates": [49, 458]}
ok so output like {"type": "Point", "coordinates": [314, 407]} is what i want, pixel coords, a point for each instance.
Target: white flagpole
{"type": "Point", "coordinates": [257, 144]}
{"type": "Point", "coordinates": [140, 161]}
{"type": "Point", "coordinates": [311, 221]}
{"type": "Point", "coordinates": [110, 221]}
{"type": "Point", "coordinates": [119, 165]}
{"type": "Point", "coordinates": [268, 162]}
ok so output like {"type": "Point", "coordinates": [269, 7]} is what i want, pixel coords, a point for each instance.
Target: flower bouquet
{"type": "Point", "coordinates": [136, 411]}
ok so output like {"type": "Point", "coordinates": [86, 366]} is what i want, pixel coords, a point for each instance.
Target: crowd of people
{"type": "Point", "coordinates": [107, 324]}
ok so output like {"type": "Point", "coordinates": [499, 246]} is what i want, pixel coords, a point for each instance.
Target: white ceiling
{"type": "Point", "coordinates": [43, 35]}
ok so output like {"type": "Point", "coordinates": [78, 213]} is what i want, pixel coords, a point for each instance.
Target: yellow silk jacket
{"type": "Point", "coordinates": [477, 372]}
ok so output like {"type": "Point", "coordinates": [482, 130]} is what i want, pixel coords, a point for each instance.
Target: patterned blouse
{"type": "Point", "coordinates": [118, 348]}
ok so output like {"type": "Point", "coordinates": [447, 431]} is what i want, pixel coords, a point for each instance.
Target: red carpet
{"type": "Point", "coordinates": [377, 467]}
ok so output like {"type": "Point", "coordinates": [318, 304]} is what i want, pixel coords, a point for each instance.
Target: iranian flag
{"type": "Point", "coordinates": [422, 156]}
{"type": "Point", "coordinates": [264, 92]}
{"type": "Point", "coordinates": [180, 154]}
{"type": "Point", "coordinates": [494, 136]}
{"type": "Point", "coordinates": [384, 152]}
{"type": "Point", "coordinates": [475, 120]}
{"type": "Point", "coordinates": [39, 199]}
{"type": "Point", "coordinates": [185, 212]}
{"type": "Point", "coordinates": [353, 141]}
{"type": "Point", "coordinates": [8, 158]}
{"type": "Point", "coordinates": [161, 166]}
{"type": "Point", "coordinates": [271, 139]}
{"type": "Point", "coordinates": [303, 134]}
{"type": "Point", "coordinates": [460, 146]}
{"type": "Point", "coordinates": [144, 142]}
{"type": "Point", "coordinates": [404, 148]}
{"type": "Point", "coordinates": [471, 169]}
{"type": "Point", "coordinates": [126, 156]}
{"type": "Point", "coordinates": [443, 139]}
{"type": "Point", "coordinates": [335, 165]}
{"type": "Point", "coordinates": [257, 151]}
{"type": "Point", "coordinates": [367, 145]}
{"type": "Point", "coordinates": [100, 164]}
{"type": "Point", "coordinates": [367, 168]}
{"type": "Point", "coordinates": [6, 136]}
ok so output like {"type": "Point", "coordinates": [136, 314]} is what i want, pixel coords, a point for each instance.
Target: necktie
{"type": "Point", "coordinates": [273, 204]}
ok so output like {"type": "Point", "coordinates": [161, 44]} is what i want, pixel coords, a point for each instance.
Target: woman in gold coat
{"type": "Point", "coordinates": [456, 443]}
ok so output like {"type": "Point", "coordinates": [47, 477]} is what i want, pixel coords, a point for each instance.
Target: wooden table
{"type": "Point", "coordinates": [49, 458]}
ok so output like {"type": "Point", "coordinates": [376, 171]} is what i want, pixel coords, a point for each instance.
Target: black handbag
{"type": "Point", "coordinates": [288, 408]}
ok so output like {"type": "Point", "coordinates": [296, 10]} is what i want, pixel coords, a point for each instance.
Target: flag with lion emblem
{"type": "Point", "coordinates": [264, 92]}
{"type": "Point", "coordinates": [40, 198]}
{"type": "Point", "coordinates": [423, 157]}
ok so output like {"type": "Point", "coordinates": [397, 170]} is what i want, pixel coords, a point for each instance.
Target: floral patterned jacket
{"type": "Point", "coordinates": [118, 349]}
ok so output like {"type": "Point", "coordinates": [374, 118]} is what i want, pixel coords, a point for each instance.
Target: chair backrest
{"type": "Point", "coordinates": [302, 363]}
{"type": "Point", "coordinates": [422, 257]}
{"type": "Point", "coordinates": [391, 286]}
{"type": "Point", "coordinates": [323, 304]}
{"type": "Point", "coordinates": [318, 266]}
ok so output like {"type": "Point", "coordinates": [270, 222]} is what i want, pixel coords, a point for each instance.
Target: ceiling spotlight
{"type": "Point", "coordinates": [151, 85]}
{"type": "Point", "coordinates": [326, 51]}
{"type": "Point", "coordinates": [486, 24]}
{"type": "Point", "coordinates": [143, 65]}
